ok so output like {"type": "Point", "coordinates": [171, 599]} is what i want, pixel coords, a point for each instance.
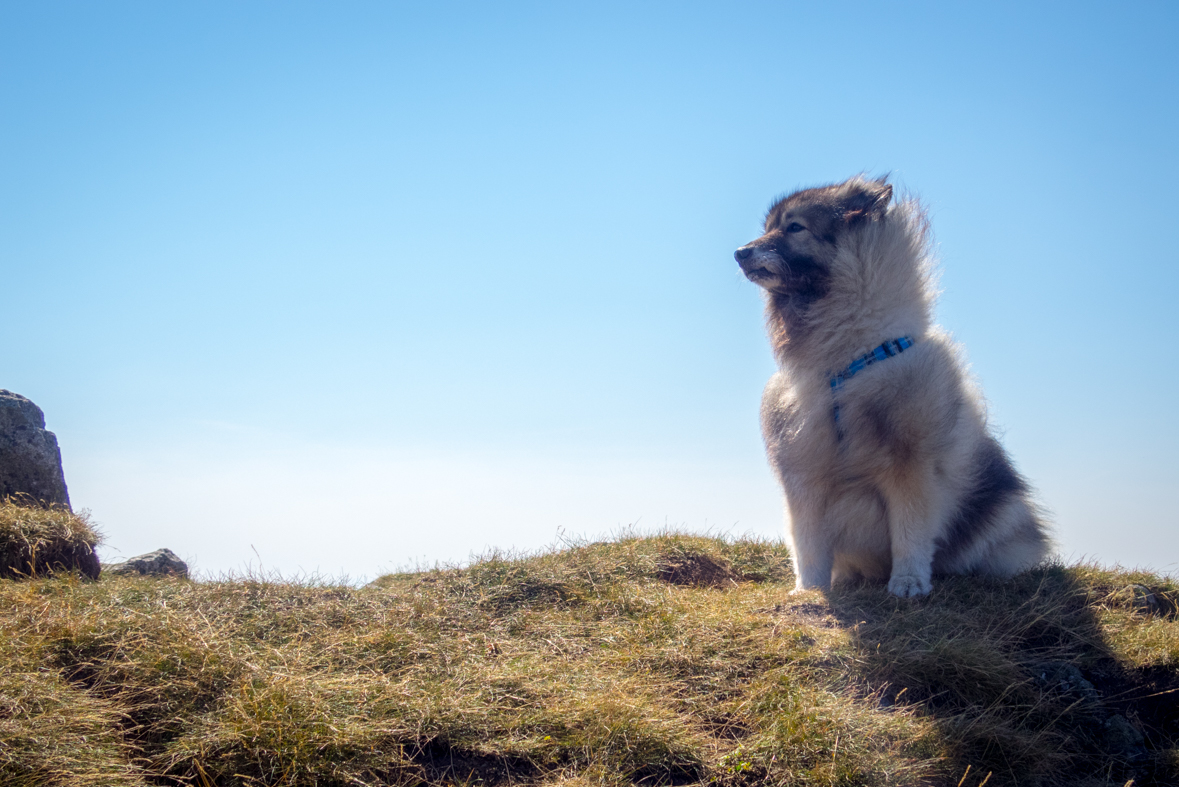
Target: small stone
{"type": "Point", "coordinates": [1144, 598]}
{"type": "Point", "coordinates": [1122, 737]}
{"type": "Point", "coordinates": [161, 563]}
{"type": "Point", "coordinates": [1065, 678]}
{"type": "Point", "coordinates": [1149, 601]}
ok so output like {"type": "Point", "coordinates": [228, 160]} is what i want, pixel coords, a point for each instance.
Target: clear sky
{"type": "Point", "coordinates": [346, 287]}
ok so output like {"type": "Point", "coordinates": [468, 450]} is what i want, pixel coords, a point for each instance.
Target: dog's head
{"type": "Point", "coordinates": [803, 232]}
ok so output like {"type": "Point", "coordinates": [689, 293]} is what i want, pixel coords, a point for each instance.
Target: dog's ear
{"type": "Point", "coordinates": [866, 199]}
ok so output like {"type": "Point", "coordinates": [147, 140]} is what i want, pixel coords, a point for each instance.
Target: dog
{"type": "Point", "coordinates": [872, 424]}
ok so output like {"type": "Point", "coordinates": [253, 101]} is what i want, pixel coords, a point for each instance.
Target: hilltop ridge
{"type": "Point", "coordinates": [666, 659]}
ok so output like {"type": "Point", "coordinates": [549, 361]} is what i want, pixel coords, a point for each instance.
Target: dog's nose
{"type": "Point", "coordinates": [743, 253]}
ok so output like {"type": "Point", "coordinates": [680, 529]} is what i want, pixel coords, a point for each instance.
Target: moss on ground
{"type": "Point", "coordinates": [662, 660]}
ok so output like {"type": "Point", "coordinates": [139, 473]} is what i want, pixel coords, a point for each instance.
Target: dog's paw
{"type": "Point", "coordinates": [907, 585]}
{"type": "Point", "coordinates": [809, 587]}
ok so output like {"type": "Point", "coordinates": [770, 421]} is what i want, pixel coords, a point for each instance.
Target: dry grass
{"type": "Point", "coordinates": [663, 660]}
{"type": "Point", "coordinates": [37, 539]}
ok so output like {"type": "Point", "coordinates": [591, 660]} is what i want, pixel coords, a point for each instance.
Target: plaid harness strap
{"type": "Point", "coordinates": [882, 353]}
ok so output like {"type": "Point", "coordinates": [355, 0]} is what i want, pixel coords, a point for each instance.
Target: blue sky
{"type": "Point", "coordinates": [343, 288]}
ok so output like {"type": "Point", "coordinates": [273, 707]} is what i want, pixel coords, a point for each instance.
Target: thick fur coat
{"type": "Point", "coordinates": [894, 474]}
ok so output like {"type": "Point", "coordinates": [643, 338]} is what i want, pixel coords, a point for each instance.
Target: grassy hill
{"type": "Point", "coordinates": [657, 660]}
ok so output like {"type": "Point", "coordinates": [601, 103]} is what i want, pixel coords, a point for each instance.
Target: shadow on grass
{"type": "Point", "coordinates": [1019, 678]}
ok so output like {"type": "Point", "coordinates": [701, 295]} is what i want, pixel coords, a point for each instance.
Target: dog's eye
{"type": "Point", "coordinates": [795, 227]}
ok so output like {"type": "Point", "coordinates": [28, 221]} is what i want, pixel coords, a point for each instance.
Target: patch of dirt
{"type": "Point", "coordinates": [442, 764]}
{"type": "Point", "coordinates": [698, 570]}
{"type": "Point", "coordinates": [804, 614]}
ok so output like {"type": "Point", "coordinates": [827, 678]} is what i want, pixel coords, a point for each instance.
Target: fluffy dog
{"type": "Point", "coordinates": [874, 429]}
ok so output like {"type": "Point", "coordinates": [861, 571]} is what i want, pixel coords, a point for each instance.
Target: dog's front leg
{"type": "Point", "coordinates": [914, 514]}
{"type": "Point", "coordinates": [812, 548]}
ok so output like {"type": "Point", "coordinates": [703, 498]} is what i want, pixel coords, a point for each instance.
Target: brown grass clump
{"type": "Point", "coordinates": [37, 539]}
{"type": "Point", "coordinates": [663, 660]}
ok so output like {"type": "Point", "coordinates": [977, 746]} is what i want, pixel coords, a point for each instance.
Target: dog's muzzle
{"type": "Point", "coordinates": [752, 263]}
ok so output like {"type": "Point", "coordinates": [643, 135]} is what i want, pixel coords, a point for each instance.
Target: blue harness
{"type": "Point", "coordinates": [882, 353]}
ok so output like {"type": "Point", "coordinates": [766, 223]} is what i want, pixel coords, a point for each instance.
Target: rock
{"type": "Point", "coordinates": [1065, 678]}
{"type": "Point", "coordinates": [30, 461]}
{"type": "Point", "coordinates": [1122, 737]}
{"type": "Point", "coordinates": [1143, 598]}
{"type": "Point", "coordinates": [161, 563]}
{"type": "Point", "coordinates": [1148, 601]}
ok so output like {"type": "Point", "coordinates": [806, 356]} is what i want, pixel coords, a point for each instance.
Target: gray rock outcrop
{"type": "Point", "coordinates": [30, 461]}
{"type": "Point", "coordinates": [161, 563]}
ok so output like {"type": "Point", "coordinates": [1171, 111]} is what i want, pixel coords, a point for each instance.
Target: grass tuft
{"type": "Point", "coordinates": [42, 539]}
